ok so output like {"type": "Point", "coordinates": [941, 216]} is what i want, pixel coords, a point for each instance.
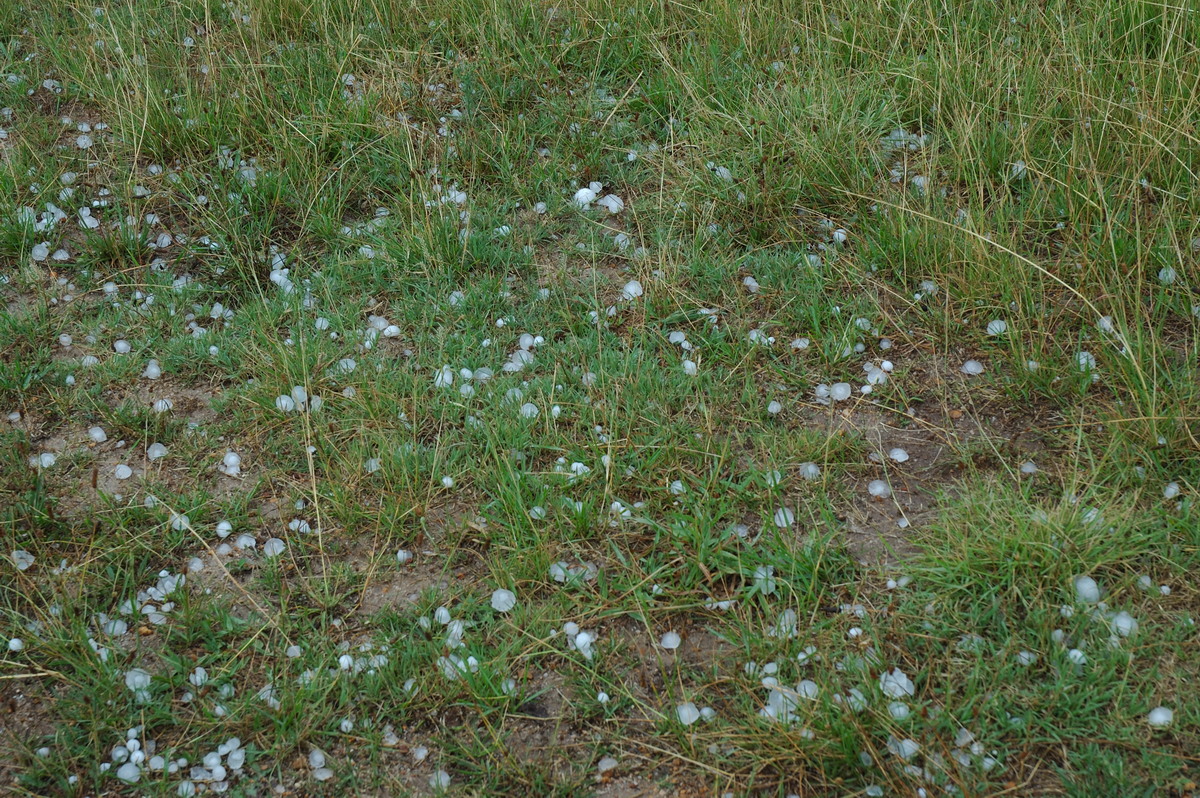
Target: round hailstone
{"type": "Point", "coordinates": [1029, 467]}
{"type": "Point", "coordinates": [404, 556]}
{"type": "Point", "coordinates": [285, 404]}
{"type": "Point", "coordinates": [121, 347]}
{"type": "Point", "coordinates": [784, 517]}
{"type": "Point", "coordinates": [156, 451]}
{"type": "Point", "coordinates": [274, 547]}
{"type": "Point", "coordinates": [1171, 490]}
{"type": "Point", "coordinates": [1160, 717]}
{"type": "Point", "coordinates": [972, 367]}
{"type": "Point", "coordinates": [529, 410]}
{"type": "Point", "coordinates": [439, 780]}
{"type": "Point", "coordinates": [584, 197]}
{"type": "Point", "coordinates": [224, 529]}
{"type": "Point", "coordinates": [606, 764]}
{"type": "Point", "coordinates": [129, 773]}
{"type": "Point", "coordinates": [899, 455]}
{"type": "Point", "coordinates": [503, 600]}
{"type": "Point", "coordinates": [612, 203]}
{"type": "Point", "coordinates": [16, 644]}
{"type": "Point", "coordinates": [774, 408]}
{"type": "Point", "coordinates": [1077, 657]}
{"type": "Point", "coordinates": [1086, 590]}
{"type": "Point", "coordinates": [810, 471]}
{"type": "Point", "coordinates": [153, 370]}
{"type": "Point", "coordinates": [97, 435]}
{"type": "Point", "coordinates": [45, 460]}
{"type": "Point", "coordinates": [670, 641]}
{"type": "Point", "coordinates": [1167, 275]}
{"type": "Point", "coordinates": [898, 710]}
{"type": "Point", "coordinates": [163, 405]}
{"type": "Point", "coordinates": [879, 489]}
{"type": "Point", "coordinates": [690, 368]}
{"type": "Point", "coordinates": [22, 559]}
{"type": "Point", "coordinates": [632, 290]}
{"type": "Point", "coordinates": [687, 713]}
{"type": "Point", "coordinates": [1124, 624]}
{"type": "Point", "coordinates": [997, 327]}
{"type": "Point", "coordinates": [840, 391]}
{"type": "Point", "coordinates": [123, 471]}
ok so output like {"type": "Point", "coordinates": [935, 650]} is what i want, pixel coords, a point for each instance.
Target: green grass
{"type": "Point", "coordinates": [1055, 153]}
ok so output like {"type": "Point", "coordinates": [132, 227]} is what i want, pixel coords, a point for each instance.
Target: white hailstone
{"type": "Point", "coordinates": [774, 408]}
{"type": "Point", "coordinates": [1077, 657]}
{"type": "Point", "coordinates": [439, 780]}
{"type": "Point", "coordinates": [801, 343]}
{"type": "Point", "coordinates": [444, 377]}
{"type": "Point", "coordinates": [687, 713]}
{"type": "Point", "coordinates": [690, 368]}
{"type": "Point", "coordinates": [274, 547]}
{"type": "Point", "coordinates": [904, 749]}
{"type": "Point", "coordinates": [1160, 717]}
{"type": "Point", "coordinates": [40, 252]}
{"type": "Point", "coordinates": [879, 489]}
{"type": "Point", "coordinates": [1017, 170]}
{"type": "Point", "coordinates": [840, 391]}
{"type": "Point", "coordinates": [1029, 467]}
{"type": "Point", "coordinates": [1167, 275]}
{"type": "Point", "coordinates": [87, 361]}
{"type": "Point", "coordinates": [245, 541]}
{"type": "Point", "coordinates": [751, 285]}
{"type": "Point", "coordinates": [840, 236]}
{"type": "Point", "coordinates": [632, 290]}
{"type": "Point", "coordinates": [677, 488]}
{"type": "Point", "coordinates": [316, 758]}
{"type": "Point", "coordinates": [22, 559]}
{"type": "Point", "coordinates": [784, 517]}
{"type": "Point", "coordinates": [129, 773]}
{"type": "Point", "coordinates": [153, 370]}
{"type": "Point", "coordinates": [584, 197]}
{"type": "Point", "coordinates": [1106, 325]}
{"type": "Point", "coordinates": [898, 710]}
{"type": "Point", "coordinates": [896, 684]}
{"type": "Point", "coordinates": [137, 679]}
{"type": "Point", "coordinates": [1124, 624]}
{"type": "Point", "coordinates": [372, 465]}
{"type": "Point", "coordinates": [529, 410]}
{"type": "Point", "coordinates": [997, 327]}
{"type": "Point", "coordinates": [670, 641]}
{"type": "Point", "coordinates": [1171, 490]}
{"type": "Point", "coordinates": [442, 616]}
{"type": "Point", "coordinates": [231, 464]}
{"type": "Point", "coordinates": [447, 482]}
{"type": "Point", "coordinates": [503, 600]}
{"type": "Point", "coordinates": [764, 579]}
{"type": "Point", "coordinates": [224, 529]}
{"type": "Point", "coordinates": [612, 203]}
{"type": "Point", "coordinates": [97, 434]}
{"type": "Point", "coordinates": [1086, 590]}
{"type": "Point", "coordinates": [404, 556]}
{"type": "Point", "coordinates": [346, 726]}
{"type": "Point", "coordinates": [1085, 361]}
{"type": "Point", "coordinates": [1026, 658]}
{"type": "Point", "coordinates": [583, 643]}
{"type": "Point", "coordinates": [899, 455]}
{"type": "Point", "coordinates": [606, 764]}
{"type": "Point", "coordinates": [972, 367]}
{"type": "Point", "coordinates": [810, 471]}
{"type": "Point", "coordinates": [123, 472]}
{"type": "Point", "coordinates": [198, 677]}
{"type": "Point", "coordinates": [121, 346]}
{"type": "Point", "coordinates": [83, 141]}
{"type": "Point", "coordinates": [163, 405]}
{"type": "Point", "coordinates": [16, 644]}
{"type": "Point", "coordinates": [44, 460]}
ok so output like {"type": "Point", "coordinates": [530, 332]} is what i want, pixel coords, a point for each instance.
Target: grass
{"type": "Point", "coordinates": [894, 177]}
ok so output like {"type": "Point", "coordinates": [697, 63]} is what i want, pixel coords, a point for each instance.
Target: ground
{"type": "Point", "coordinates": [513, 398]}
